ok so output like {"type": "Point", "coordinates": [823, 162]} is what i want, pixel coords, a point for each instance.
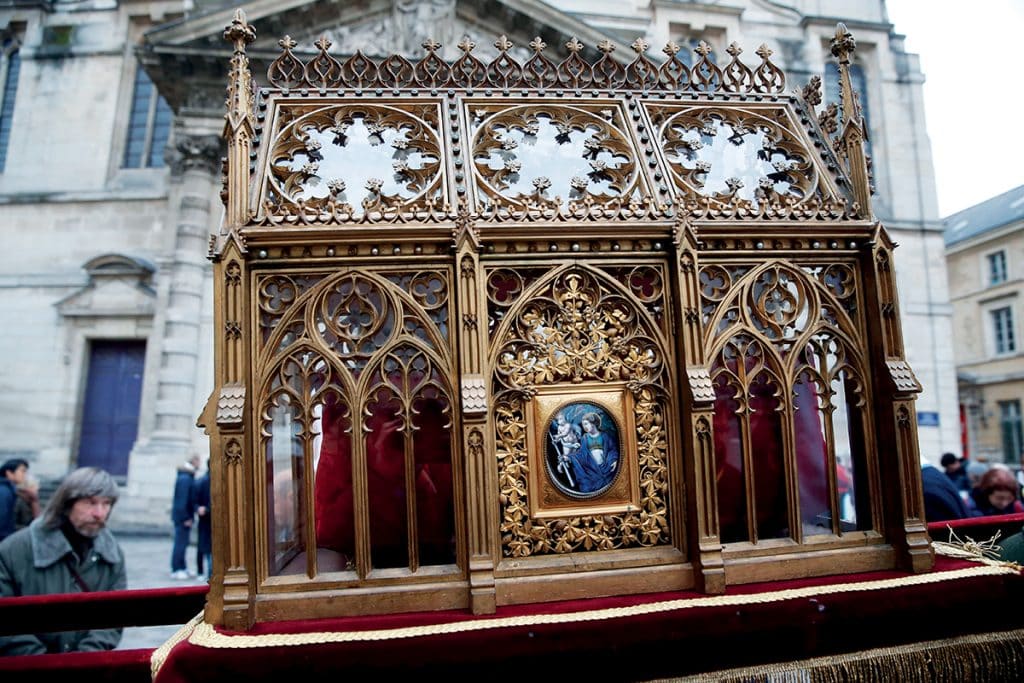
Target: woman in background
{"type": "Point", "coordinates": [998, 493]}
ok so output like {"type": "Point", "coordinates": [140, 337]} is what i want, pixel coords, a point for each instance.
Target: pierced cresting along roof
{"type": "Point", "coordinates": [505, 73]}
{"type": "Point", "coordinates": [830, 143]}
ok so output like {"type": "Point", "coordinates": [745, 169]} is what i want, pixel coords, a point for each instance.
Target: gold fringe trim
{"type": "Point", "coordinates": [205, 635]}
{"type": "Point", "coordinates": [985, 657]}
{"type": "Point", "coordinates": [159, 656]}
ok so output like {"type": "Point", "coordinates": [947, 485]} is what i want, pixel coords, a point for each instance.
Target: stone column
{"type": "Point", "coordinates": [195, 164]}
{"type": "Point", "coordinates": [175, 344]}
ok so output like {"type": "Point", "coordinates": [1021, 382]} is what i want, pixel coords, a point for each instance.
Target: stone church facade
{"type": "Point", "coordinates": [110, 176]}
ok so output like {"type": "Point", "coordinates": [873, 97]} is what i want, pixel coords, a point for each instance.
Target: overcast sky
{"type": "Point", "coordinates": [972, 56]}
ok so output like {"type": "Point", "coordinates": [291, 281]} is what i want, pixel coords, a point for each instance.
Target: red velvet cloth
{"type": "Point", "coordinates": [385, 471]}
{"type": "Point", "coordinates": [115, 666]}
{"type": "Point", "coordinates": [100, 609]}
{"type": "Point", "coordinates": [767, 459]}
{"type": "Point", "coordinates": [978, 528]}
{"type": "Point", "coordinates": [632, 646]}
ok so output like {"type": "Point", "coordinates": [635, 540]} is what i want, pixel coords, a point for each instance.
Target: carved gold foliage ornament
{"type": "Point", "coordinates": [579, 327]}
{"type": "Point", "coordinates": [354, 159]}
{"type": "Point", "coordinates": [548, 156]}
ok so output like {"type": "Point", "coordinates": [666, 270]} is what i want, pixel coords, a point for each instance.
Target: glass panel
{"type": "Point", "coordinates": [435, 502]}
{"type": "Point", "coordinates": [1010, 425]}
{"type": "Point", "coordinates": [1002, 322]}
{"type": "Point", "coordinates": [385, 469]}
{"type": "Point", "coordinates": [811, 458]}
{"type": "Point", "coordinates": [333, 490]}
{"type": "Point", "coordinates": [161, 132]}
{"type": "Point", "coordinates": [997, 268]}
{"type": "Point", "coordinates": [724, 158]}
{"type": "Point", "coordinates": [559, 159]}
{"type": "Point", "coordinates": [851, 455]}
{"type": "Point", "coordinates": [7, 104]}
{"type": "Point", "coordinates": [285, 477]}
{"type": "Point", "coordinates": [729, 474]}
{"type": "Point", "coordinates": [357, 157]}
{"type": "Point", "coordinates": [138, 120]}
{"type": "Point", "coordinates": [766, 458]}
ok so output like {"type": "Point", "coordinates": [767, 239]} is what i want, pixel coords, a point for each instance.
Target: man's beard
{"type": "Point", "coordinates": [90, 529]}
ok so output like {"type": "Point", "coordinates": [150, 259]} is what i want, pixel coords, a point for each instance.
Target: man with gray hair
{"type": "Point", "coordinates": [68, 549]}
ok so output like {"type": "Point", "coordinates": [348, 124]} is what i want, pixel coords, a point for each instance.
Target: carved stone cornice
{"type": "Point", "coordinates": [195, 152]}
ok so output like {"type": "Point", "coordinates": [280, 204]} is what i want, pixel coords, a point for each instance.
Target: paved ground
{"type": "Point", "coordinates": [148, 559]}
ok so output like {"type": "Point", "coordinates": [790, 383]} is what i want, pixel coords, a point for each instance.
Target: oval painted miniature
{"type": "Point", "coordinates": [582, 449]}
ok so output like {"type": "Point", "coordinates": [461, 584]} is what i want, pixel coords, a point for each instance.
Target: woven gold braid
{"type": "Point", "coordinates": [159, 656]}
{"type": "Point", "coordinates": [205, 635]}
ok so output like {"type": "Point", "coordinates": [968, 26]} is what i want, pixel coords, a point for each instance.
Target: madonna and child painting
{"type": "Point", "coordinates": [582, 452]}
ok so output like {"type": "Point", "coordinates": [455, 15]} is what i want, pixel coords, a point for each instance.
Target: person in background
{"type": "Point", "coordinates": [975, 471]}
{"type": "Point", "coordinates": [942, 501]}
{"type": "Point", "coordinates": [183, 511]}
{"type": "Point", "coordinates": [26, 507]}
{"type": "Point", "coordinates": [68, 549]}
{"type": "Point", "coordinates": [956, 471]}
{"type": "Point", "coordinates": [998, 493]}
{"type": "Point", "coordinates": [13, 471]}
{"type": "Point", "coordinates": [204, 540]}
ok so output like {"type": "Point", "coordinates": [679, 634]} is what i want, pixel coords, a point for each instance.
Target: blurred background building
{"type": "Point", "coordinates": [110, 116]}
{"type": "Point", "coordinates": [985, 258]}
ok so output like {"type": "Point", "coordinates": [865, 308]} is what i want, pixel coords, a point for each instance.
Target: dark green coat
{"type": "Point", "coordinates": [34, 561]}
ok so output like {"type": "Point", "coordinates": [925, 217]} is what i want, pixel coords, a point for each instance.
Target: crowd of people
{"type": "Point", "coordinates": [961, 490]}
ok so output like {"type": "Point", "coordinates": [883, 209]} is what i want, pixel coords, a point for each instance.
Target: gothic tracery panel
{"type": "Point", "coordinates": [357, 406]}
{"type": "Point", "coordinates": [742, 156]}
{"type": "Point", "coordinates": [790, 411]}
{"type": "Point", "coordinates": [551, 155]}
{"type": "Point", "coordinates": [346, 160]}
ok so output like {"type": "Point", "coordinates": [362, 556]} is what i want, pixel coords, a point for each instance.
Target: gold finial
{"type": "Point", "coordinates": [538, 45]}
{"type": "Point", "coordinates": [640, 45]}
{"type": "Point", "coordinates": [431, 45]}
{"type": "Point", "coordinates": [606, 47]}
{"type": "Point", "coordinates": [239, 32]}
{"type": "Point", "coordinates": [503, 44]}
{"type": "Point", "coordinates": [466, 45]}
{"type": "Point", "coordinates": [843, 44]}
{"type": "Point", "coordinates": [574, 45]}
{"type": "Point", "coordinates": [671, 49]}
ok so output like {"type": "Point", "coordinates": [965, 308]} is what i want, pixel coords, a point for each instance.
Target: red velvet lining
{"type": "Point", "coordinates": [120, 666]}
{"type": "Point", "coordinates": [978, 528]}
{"type": "Point", "coordinates": [100, 609]}
{"type": "Point", "coordinates": [1013, 519]}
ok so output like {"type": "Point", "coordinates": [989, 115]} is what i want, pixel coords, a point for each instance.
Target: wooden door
{"type": "Point", "coordinates": [110, 415]}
